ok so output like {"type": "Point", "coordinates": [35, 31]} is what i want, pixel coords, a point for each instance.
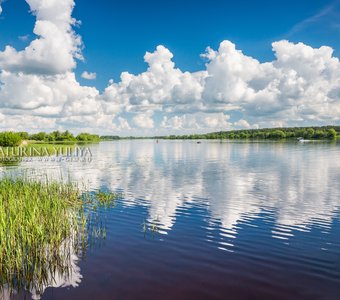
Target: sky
{"type": "Point", "coordinates": [168, 67]}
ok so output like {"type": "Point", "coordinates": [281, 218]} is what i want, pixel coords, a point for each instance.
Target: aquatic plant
{"type": "Point", "coordinates": [35, 221]}
{"type": "Point", "coordinates": [42, 226]}
{"type": "Point", "coordinates": [151, 226]}
{"type": "Point", "coordinates": [107, 199]}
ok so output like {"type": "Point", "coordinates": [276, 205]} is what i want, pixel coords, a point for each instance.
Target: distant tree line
{"type": "Point", "coordinates": [317, 133]}
{"type": "Point", "coordinates": [12, 139]}
{"type": "Point", "coordinates": [109, 137]}
{"type": "Point", "coordinates": [116, 137]}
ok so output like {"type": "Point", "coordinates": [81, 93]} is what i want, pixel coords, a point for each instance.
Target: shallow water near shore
{"type": "Point", "coordinates": [216, 220]}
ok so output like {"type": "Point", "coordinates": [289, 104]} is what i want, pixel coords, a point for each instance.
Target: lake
{"type": "Point", "coordinates": [215, 220]}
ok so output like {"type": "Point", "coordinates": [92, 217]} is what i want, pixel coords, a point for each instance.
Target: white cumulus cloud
{"type": "Point", "coordinates": [56, 47]}
{"type": "Point", "coordinates": [39, 89]}
{"type": "Point", "coordinates": [143, 120]}
{"type": "Point", "coordinates": [89, 75]}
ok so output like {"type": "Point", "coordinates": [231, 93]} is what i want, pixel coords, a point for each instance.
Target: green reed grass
{"type": "Point", "coordinates": [35, 219]}
{"type": "Point", "coordinates": [150, 226]}
{"type": "Point", "coordinates": [38, 223]}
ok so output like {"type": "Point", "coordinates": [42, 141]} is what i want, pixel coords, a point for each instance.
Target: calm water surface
{"type": "Point", "coordinates": [214, 220]}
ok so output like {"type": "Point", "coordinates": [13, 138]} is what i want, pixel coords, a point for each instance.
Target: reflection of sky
{"type": "Point", "coordinates": [236, 181]}
{"type": "Point", "coordinates": [54, 276]}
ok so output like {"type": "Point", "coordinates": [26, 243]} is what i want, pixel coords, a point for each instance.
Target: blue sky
{"type": "Point", "coordinates": [117, 34]}
{"type": "Point", "coordinates": [120, 32]}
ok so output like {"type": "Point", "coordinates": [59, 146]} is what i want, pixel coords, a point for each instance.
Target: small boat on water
{"type": "Point", "coordinates": [302, 140]}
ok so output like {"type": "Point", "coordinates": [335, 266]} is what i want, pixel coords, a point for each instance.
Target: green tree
{"type": "Point", "coordinates": [10, 139]}
{"type": "Point", "coordinates": [277, 134]}
{"type": "Point", "coordinates": [65, 136]}
{"type": "Point", "coordinates": [24, 135]}
{"type": "Point", "coordinates": [38, 136]}
{"type": "Point", "coordinates": [86, 137]}
{"type": "Point", "coordinates": [331, 133]}
{"type": "Point", "coordinates": [309, 133]}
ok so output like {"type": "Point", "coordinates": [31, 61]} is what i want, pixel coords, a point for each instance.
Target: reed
{"type": "Point", "coordinates": [41, 223]}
